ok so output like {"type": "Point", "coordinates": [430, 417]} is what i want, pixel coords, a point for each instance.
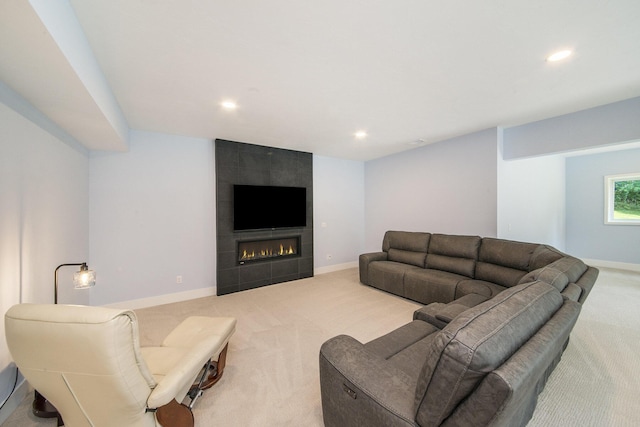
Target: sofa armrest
{"type": "Point", "coordinates": [429, 313]}
{"type": "Point", "coordinates": [586, 282]}
{"type": "Point", "coordinates": [360, 388]}
{"type": "Point", "coordinates": [365, 260]}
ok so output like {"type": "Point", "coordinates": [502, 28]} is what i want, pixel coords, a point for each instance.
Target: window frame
{"type": "Point", "coordinates": [609, 198]}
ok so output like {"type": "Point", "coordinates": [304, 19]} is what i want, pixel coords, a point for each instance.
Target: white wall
{"type": "Point", "coordinates": [152, 218]}
{"type": "Point", "coordinates": [44, 214]}
{"type": "Point", "coordinates": [531, 200]}
{"type": "Point", "coordinates": [446, 187]}
{"type": "Point", "coordinates": [587, 235]}
{"type": "Point", "coordinates": [338, 211]}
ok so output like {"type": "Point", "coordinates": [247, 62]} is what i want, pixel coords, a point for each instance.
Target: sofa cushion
{"type": "Point", "coordinates": [503, 276]}
{"type": "Point", "coordinates": [406, 240]}
{"type": "Point", "coordinates": [544, 255]}
{"type": "Point", "coordinates": [550, 275]}
{"type": "Point", "coordinates": [407, 257]}
{"type": "Point", "coordinates": [471, 300]}
{"type": "Point", "coordinates": [455, 246]}
{"type": "Point", "coordinates": [574, 268]}
{"type": "Point", "coordinates": [572, 292]}
{"type": "Point", "coordinates": [427, 286]}
{"type": "Point", "coordinates": [480, 287]}
{"type": "Point", "coordinates": [456, 254]}
{"type": "Point", "coordinates": [465, 267]}
{"type": "Point", "coordinates": [389, 276]}
{"type": "Point", "coordinates": [477, 342]}
{"type": "Point", "coordinates": [506, 253]}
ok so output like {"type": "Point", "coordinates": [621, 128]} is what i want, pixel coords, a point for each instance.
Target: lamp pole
{"type": "Point", "coordinates": [83, 267]}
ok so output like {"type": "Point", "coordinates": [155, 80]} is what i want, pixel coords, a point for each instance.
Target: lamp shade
{"type": "Point", "coordinates": [84, 278]}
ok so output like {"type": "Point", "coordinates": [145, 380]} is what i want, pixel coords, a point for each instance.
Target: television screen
{"type": "Point", "coordinates": [260, 206]}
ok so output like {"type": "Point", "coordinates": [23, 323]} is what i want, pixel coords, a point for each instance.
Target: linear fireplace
{"type": "Point", "coordinates": [268, 249]}
{"type": "Point", "coordinates": [241, 164]}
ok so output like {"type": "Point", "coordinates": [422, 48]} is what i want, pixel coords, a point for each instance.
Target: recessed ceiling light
{"type": "Point", "coordinates": [559, 56]}
{"type": "Point", "coordinates": [361, 134]}
{"type": "Point", "coordinates": [229, 105]}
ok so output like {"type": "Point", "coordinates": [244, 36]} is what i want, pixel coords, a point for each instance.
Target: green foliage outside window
{"type": "Point", "coordinates": [626, 204]}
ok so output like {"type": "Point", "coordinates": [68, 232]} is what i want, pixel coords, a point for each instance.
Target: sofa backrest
{"type": "Point", "coordinates": [503, 262]}
{"type": "Point", "coordinates": [508, 395]}
{"type": "Point", "coordinates": [453, 253]}
{"type": "Point", "coordinates": [406, 247]}
{"type": "Point", "coordinates": [478, 342]}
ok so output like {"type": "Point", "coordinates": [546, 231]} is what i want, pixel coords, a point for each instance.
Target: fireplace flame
{"type": "Point", "coordinates": [267, 253]}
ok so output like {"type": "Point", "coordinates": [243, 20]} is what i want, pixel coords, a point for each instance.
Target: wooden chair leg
{"type": "Point", "coordinates": [219, 369]}
{"type": "Point", "coordinates": [175, 414]}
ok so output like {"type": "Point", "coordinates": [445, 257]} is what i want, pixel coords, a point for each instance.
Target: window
{"type": "Point", "coordinates": [622, 199]}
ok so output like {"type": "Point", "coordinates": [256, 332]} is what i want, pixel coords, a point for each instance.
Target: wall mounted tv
{"type": "Point", "coordinates": [258, 207]}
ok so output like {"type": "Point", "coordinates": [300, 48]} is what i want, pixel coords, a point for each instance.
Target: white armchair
{"type": "Point", "coordinates": [88, 363]}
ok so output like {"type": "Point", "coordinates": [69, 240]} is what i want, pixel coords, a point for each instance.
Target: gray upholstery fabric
{"type": "Point", "coordinates": [486, 367]}
{"type": "Point", "coordinates": [574, 268]}
{"type": "Point", "coordinates": [508, 395]}
{"type": "Point", "coordinates": [482, 349]}
{"type": "Point", "coordinates": [455, 254]}
{"type": "Point", "coordinates": [439, 314]}
{"type": "Point", "coordinates": [476, 343]}
{"type": "Point", "coordinates": [389, 276]}
{"type": "Point", "coordinates": [480, 287]}
{"type": "Point", "coordinates": [455, 245]}
{"type": "Point", "coordinates": [405, 240]}
{"type": "Point", "coordinates": [407, 257]}
{"type": "Point", "coordinates": [572, 292]}
{"type": "Point", "coordinates": [359, 388]}
{"type": "Point", "coordinates": [405, 346]}
{"type": "Point", "coordinates": [504, 276]}
{"type": "Point", "coordinates": [544, 255]}
{"type": "Point", "coordinates": [427, 286]}
{"type": "Point", "coordinates": [550, 275]}
{"type": "Point", "coordinates": [364, 260]}
{"type": "Point", "coordinates": [586, 282]}
{"type": "Point", "coordinates": [464, 267]}
{"type": "Point", "coordinates": [440, 268]}
{"type": "Point", "coordinates": [506, 253]}
{"type": "Point", "coordinates": [471, 300]}
{"type": "Point", "coordinates": [428, 314]}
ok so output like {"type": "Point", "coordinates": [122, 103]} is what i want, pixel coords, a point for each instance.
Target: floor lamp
{"type": "Point", "coordinates": [82, 279]}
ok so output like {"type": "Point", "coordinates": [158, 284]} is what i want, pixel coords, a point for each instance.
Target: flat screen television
{"type": "Point", "coordinates": [258, 207]}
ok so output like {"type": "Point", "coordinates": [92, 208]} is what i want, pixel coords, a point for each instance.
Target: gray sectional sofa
{"type": "Point", "coordinates": [498, 317]}
{"type": "Point", "coordinates": [442, 268]}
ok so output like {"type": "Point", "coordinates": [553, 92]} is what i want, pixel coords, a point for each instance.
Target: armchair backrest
{"type": "Point", "coordinates": [479, 342]}
{"type": "Point", "coordinates": [85, 360]}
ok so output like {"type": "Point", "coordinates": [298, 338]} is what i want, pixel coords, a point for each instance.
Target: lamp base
{"type": "Point", "coordinates": [42, 408]}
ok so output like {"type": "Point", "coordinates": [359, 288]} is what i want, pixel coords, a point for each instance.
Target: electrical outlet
{"type": "Point", "coordinates": [178, 279]}
{"type": "Point", "coordinates": [329, 256]}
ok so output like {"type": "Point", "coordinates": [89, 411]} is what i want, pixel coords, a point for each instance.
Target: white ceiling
{"type": "Point", "coordinates": [308, 74]}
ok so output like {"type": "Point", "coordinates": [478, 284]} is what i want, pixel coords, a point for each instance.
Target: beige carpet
{"type": "Point", "coordinates": [271, 377]}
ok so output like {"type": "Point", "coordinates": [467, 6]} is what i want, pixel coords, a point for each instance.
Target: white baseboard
{"type": "Point", "coordinates": [164, 299]}
{"type": "Point", "coordinates": [336, 267]}
{"type": "Point", "coordinates": [203, 292]}
{"type": "Point", "coordinates": [612, 264]}
{"type": "Point", "coordinates": [13, 401]}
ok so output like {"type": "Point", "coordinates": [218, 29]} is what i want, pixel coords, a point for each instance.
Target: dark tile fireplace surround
{"type": "Point", "coordinates": [251, 259]}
